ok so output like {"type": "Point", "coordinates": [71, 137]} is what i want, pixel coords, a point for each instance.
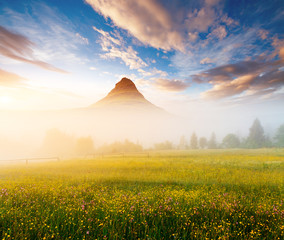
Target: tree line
{"type": "Point", "coordinates": [256, 139]}
{"type": "Point", "coordinates": [59, 143]}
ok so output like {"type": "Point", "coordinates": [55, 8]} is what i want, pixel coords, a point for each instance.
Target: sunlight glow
{"type": "Point", "coordinates": [5, 100]}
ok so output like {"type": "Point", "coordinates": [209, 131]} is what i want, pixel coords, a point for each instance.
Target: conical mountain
{"type": "Point", "coordinates": [125, 95]}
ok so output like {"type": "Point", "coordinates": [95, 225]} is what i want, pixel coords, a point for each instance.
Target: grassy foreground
{"type": "Point", "coordinates": [171, 195]}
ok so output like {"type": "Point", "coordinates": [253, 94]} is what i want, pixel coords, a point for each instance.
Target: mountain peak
{"type": "Point", "coordinates": [124, 86]}
{"type": "Point", "coordinates": [124, 94]}
{"type": "Point", "coordinates": [125, 83]}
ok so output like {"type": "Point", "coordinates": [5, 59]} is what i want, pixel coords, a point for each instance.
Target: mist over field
{"type": "Point", "coordinates": [23, 132]}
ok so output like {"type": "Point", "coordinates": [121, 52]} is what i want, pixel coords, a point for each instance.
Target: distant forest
{"type": "Point", "coordinates": [256, 139]}
{"type": "Point", "coordinates": [60, 143]}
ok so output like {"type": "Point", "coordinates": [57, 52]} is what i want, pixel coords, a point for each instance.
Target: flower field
{"type": "Point", "coordinates": [207, 194]}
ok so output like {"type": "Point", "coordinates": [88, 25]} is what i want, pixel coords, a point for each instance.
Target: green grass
{"type": "Point", "coordinates": [219, 194]}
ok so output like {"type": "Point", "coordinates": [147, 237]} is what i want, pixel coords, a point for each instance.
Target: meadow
{"type": "Point", "coordinates": [208, 194]}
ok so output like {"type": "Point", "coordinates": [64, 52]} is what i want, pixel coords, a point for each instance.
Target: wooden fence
{"type": "Point", "coordinates": [27, 160]}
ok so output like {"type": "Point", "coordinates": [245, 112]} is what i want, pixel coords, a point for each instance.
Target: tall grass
{"type": "Point", "coordinates": [217, 194]}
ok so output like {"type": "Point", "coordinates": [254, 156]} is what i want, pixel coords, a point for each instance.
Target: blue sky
{"type": "Point", "coordinates": [182, 55]}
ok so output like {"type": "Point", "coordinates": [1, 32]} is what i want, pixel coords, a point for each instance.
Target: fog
{"type": "Point", "coordinates": [23, 133]}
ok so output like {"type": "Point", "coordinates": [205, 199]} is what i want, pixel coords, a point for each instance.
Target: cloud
{"type": "Point", "coordinates": [200, 20]}
{"type": "Point", "coordinates": [242, 79]}
{"type": "Point", "coordinates": [153, 72]}
{"type": "Point", "coordinates": [20, 48]}
{"type": "Point", "coordinates": [206, 60]}
{"type": "Point", "coordinates": [278, 44]}
{"type": "Point", "coordinates": [114, 48]}
{"type": "Point", "coordinates": [211, 2]}
{"type": "Point", "coordinates": [82, 39]}
{"type": "Point", "coordinates": [219, 32]}
{"type": "Point", "coordinates": [9, 79]}
{"type": "Point", "coordinates": [193, 36]}
{"type": "Point", "coordinates": [208, 19]}
{"type": "Point", "coordinates": [263, 34]}
{"type": "Point", "coordinates": [52, 33]}
{"type": "Point", "coordinates": [157, 24]}
{"type": "Point", "coordinates": [229, 21]}
{"type": "Point", "coordinates": [229, 88]}
{"type": "Point", "coordinates": [233, 48]}
{"type": "Point", "coordinates": [281, 53]}
{"type": "Point", "coordinates": [146, 20]}
{"type": "Point", "coordinates": [170, 85]}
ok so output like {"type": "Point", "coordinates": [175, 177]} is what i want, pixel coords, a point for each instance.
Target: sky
{"type": "Point", "coordinates": [213, 60]}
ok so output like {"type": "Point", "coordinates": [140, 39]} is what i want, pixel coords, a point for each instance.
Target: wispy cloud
{"type": "Point", "coordinates": [82, 39]}
{"type": "Point", "coordinates": [213, 52]}
{"type": "Point", "coordinates": [8, 79]}
{"type": "Point", "coordinates": [20, 48]}
{"type": "Point", "coordinates": [55, 38]}
{"type": "Point", "coordinates": [154, 72]}
{"type": "Point", "coordinates": [115, 48]}
{"type": "Point", "coordinates": [206, 60]}
{"type": "Point", "coordinates": [170, 85]}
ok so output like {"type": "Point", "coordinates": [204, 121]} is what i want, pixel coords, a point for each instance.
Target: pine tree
{"type": "Point", "coordinates": [193, 141]}
{"type": "Point", "coordinates": [279, 136]}
{"type": "Point", "coordinates": [203, 142]}
{"type": "Point", "coordinates": [212, 144]}
{"type": "Point", "coordinates": [182, 143]}
{"type": "Point", "coordinates": [256, 138]}
{"type": "Point", "coordinates": [231, 141]}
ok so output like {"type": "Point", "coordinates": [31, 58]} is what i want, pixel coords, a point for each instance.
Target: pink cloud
{"type": "Point", "coordinates": [229, 88]}
{"type": "Point", "coordinates": [18, 47]}
{"type": "Point", "coordinates": [200, 20]}
{"type": "Point", "coordinates": [9, 79]}
{"type": "Point", "coordinates": [219, 32]}
{"type": "Point", "coordinates": [206, 60]}
{"type": "Point", "coordinates": [245, 78]}
{"type": "Point", "coordinates": [170, 85]}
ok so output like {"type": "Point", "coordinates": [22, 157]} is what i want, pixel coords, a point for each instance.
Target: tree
{"type": "Point", "coordinates": [193, 141]}
{"type": "Point", "coordinates": [212, 143]}
{"type": "Point", "coordinates": [182, 143]}
{"type": "Point", "coordinates": [120, 147]}
{"type": "Point", "coordinates": [57, 143]}
{"type": "Point", "coordinates": [167, 145]}
{"type": "Point", "coordinates": [279, 136]}
{"type": "Point", "coordinates": [231, 141]}
{"type": "Point", "coordinates": [202, 142]}
{"type": "Point", "coordinates": [129, 146]}
{"type": "Point", "coordinates": [256, 138]}
{"type": "Point", "coordinates": [84, 145]}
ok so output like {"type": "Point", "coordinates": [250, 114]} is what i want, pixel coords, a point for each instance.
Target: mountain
{"type": "Point", "coordinates": [125, 96]}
